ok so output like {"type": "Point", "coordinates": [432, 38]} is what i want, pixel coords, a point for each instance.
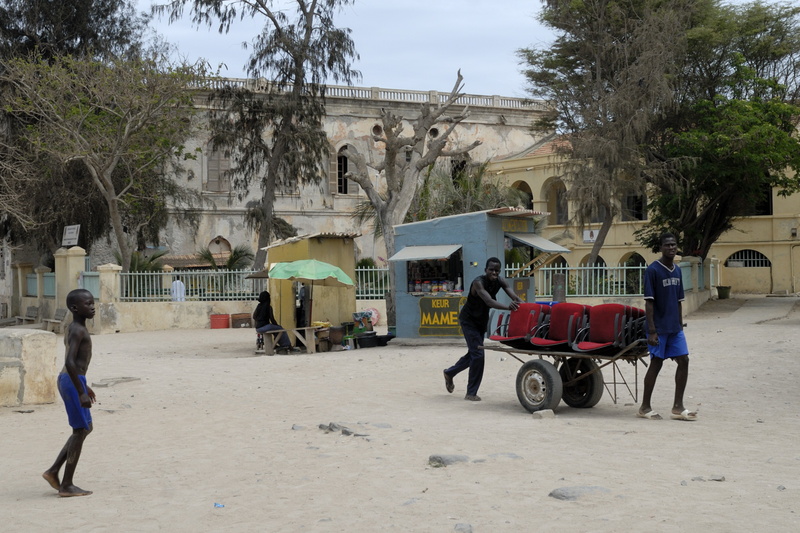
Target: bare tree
{"type": "Point", "coordinates": [406, 158]}
{"type": "Point", "coordinates": [124, 121]}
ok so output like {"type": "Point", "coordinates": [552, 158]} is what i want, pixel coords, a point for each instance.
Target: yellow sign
{"type": "Point", "coordinates": [439, 316]}
{"type": "Point", "coordinates": [515, 225]}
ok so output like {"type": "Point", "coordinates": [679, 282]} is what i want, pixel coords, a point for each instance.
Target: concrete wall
{"type": "Point", "coordinates": [28, 367]}
{"type": "Point", "coordinates": [128, 317]}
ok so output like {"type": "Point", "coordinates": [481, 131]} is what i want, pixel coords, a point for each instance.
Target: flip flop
{"type": "Point", "coordinates": [686, 415]}
{"type": "Point", "coordinates": [650, 415]}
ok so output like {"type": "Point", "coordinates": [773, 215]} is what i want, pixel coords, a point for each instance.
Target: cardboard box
{"type": "Point", "coordinates": [241, 320]}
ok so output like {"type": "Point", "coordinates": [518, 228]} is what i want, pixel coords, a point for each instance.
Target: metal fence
{"type": "Point", "coordinates": [600, 280]}
{"type": "Point", "coordinates": [200, 285]}
{"type": "Point", "coordinates": [372, 283]}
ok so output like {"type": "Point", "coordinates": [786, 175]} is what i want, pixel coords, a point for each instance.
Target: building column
{"type": "Point", "coordinates": [69, 265]}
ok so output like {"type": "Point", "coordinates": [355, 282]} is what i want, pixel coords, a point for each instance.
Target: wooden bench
{"type": "Point", "coordinates": [31, 315]}
{"type": "Point", "coordinates": [304, 335]}
{"type": "Point", "coordinates": [57, 322]}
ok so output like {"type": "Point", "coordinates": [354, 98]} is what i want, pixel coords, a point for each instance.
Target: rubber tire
{"type": "Point", "coordinates": [538, 385]}
{"type": "Point", "coordinates": [586, 392]}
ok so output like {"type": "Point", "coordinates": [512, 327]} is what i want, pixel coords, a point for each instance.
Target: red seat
{"type": "Point", "coordinates": [513, 328]}
{"type": "Point", "coordinates": [605, 329]}
{"type": "Point", "coordinates": [565, 321]}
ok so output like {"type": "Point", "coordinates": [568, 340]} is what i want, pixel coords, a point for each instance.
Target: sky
{"type": "Point", "coordinates": [403, 44]}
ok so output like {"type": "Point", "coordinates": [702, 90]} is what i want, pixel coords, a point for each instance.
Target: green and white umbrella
{"type": "Point", "coordinates": [311, 272]}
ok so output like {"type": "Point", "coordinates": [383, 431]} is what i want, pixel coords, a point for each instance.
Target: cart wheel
{"type": "Point", "coordinates": [587, 391]}
{"type": "Point", "coordinates": [538, 385]}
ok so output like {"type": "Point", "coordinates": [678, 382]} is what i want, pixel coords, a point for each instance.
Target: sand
{"type": "Point", "coordinates": [206, 436]}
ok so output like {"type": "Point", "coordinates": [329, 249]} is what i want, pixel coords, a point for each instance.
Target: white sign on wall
{"type": "Point", "coordinates": [70, 237]}
{"type": "Point", "coordinates": [589, 235]}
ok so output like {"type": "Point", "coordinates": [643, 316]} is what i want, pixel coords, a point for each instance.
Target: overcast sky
{"type": "Point", "coordinates": [404, 44]}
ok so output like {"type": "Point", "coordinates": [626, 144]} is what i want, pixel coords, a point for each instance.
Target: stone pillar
{"type": "Point", "coordinates": [41, 270]}
{"type": "Point", "coordinates": [166, 279]}
{"type": "Point", "coordinates": [69, 265]}
{"type": "Point", "coordinates": [109, 282]}
{"type": "Point", "coordinates": [559, 287]}
{"type": "Point", "coordinates": [694, 261]}
{"type": "Point", "coordinates": [21, 287]}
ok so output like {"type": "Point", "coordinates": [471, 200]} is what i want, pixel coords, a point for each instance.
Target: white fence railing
{"type": "Point", "coordinates": [200, 285]}
{"type": "Point", "coordinates": [601, 280]}
{"type": "Point", "coordinates": [372, 283]}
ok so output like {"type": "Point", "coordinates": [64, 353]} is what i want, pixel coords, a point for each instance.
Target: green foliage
{"type": "Point", "coordinates": [240, 258]}
{"type": "Point", "coordinates": [141, 263]}
{"type": "Point", "coordinates": [445, 193]}
{"type": "Point", "coordinates": [366, 262]}
{"type": "Point", "coordinates": [82, 29]}
{"type": "Point", "coordinates": [118, 125]}
{"type": "Point", "coordinates": [734, 136]}
{"type": "Point", "coordinates": [609, 76]}
{"type": "Point", "coordinates": [78, 28]}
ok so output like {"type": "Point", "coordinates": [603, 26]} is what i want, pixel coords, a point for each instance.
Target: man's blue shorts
{"type": "Point", "coordinates": [79, 417]}
{"type": "Point", "coordinates": [670, 345]}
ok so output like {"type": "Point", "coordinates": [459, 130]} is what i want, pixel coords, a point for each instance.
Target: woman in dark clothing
{"type": "Point", "coordinates": [265, 320]}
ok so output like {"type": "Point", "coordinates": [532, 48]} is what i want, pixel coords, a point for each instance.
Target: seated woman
{"type": "Point", "coordinates": [265, 320]}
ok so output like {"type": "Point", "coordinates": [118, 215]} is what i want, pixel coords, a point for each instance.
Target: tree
{"type": "Point", "coordinates": [274, 134]}
{"type": "Point", "coordinates": [124, 121]}
{"type": "Point", "coordinates": [239, 258]}
{"type": "Point", "coordinates": [608, 75]}
{"type": "Point", "coordinates": [446, 192]}
{"type": "Point", "coordinates": [38, 209]}
{"type": "Point", "coordinates": [79, 28]}
{"type": "Point", "coordinates": [735, 128]}
{"type": "Point", "coordinates": [405, 160]}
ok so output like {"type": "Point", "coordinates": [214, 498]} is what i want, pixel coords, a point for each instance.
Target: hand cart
{"type": "Point", "coordinates": [575, 377]}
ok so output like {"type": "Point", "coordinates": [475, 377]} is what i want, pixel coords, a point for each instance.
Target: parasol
{"type": "Point", "coordinates": [311, 272]}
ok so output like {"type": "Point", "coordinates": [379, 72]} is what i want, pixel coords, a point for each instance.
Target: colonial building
{"type": "Point", "coordinates": [761, 254]}
{"type": "Point", "coordinates": [353, 115]}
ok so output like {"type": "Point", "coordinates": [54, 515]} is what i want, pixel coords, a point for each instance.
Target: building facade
{"type": "Point", "coordinates": [353, 116]}
{"type": "Point", "coordinates": [760, 255]}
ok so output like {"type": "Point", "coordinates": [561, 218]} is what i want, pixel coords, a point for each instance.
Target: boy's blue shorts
{"type": "Point", "coordinates": [79, 417]}
{"type": "Point", "coordinates": [670, 345]}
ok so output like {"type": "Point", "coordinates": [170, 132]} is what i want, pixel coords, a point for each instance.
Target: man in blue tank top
{"type": "Point", "coordinates": [663, 297]}
{"type": "Point", "coordinates": [473, 319]}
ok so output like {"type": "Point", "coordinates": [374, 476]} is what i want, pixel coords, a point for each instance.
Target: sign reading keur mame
{"type": "Point", "coordinates": [439, 316]}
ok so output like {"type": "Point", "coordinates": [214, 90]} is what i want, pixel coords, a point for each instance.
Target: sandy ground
{"type": "Point", "coordinates": [206, 422]}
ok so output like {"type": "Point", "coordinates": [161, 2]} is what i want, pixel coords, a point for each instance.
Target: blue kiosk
{"type": "Point", "coordinates": [437, 260]}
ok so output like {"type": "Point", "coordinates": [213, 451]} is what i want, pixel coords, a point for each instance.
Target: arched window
{"type": "Point", "coordinates": [459, 166]}
{"type": "Point", "coordinates": [557, 203]}
{"type": "Point", "coordinates": [343, 185]}
{"type": "Point", "coordinates": [218, 163]}
{"type": "Point", "coordinates": [634, 207]}
{"type": "Point", "coordinates": [747, 259]}
{"type": "Point", "coordinates": [523, 187]}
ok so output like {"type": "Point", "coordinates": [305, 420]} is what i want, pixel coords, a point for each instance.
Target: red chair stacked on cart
{"type": "Point", "coordinates": [605, 329]}
{"type": "Point", "coordinates": [514, 328]}
{"type": "Point", "coordinates": [566, 319]}
{"type": "Point", "coordinates": [609, 328]}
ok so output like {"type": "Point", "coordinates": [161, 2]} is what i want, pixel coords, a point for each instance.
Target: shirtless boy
{"type": "Point", "coordinates": [77, 395]}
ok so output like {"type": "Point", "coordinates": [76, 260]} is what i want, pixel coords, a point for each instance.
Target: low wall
{"type": "Point", "coordinates": [690, 304]}
{"type": "Point", "coordinates": [29, 364]}
{"type": "Point", "coordinates": [129, 317]}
